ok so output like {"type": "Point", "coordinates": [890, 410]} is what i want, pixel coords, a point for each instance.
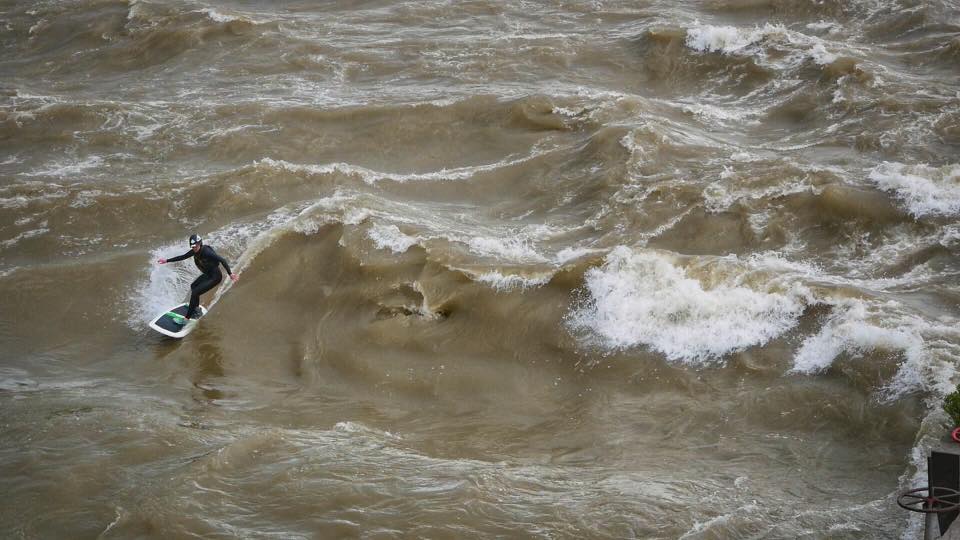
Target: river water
{"type": "Point", "coordinates": [553, 269]}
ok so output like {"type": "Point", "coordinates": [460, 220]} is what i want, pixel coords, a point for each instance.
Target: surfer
{"type": "Point", "coordinates": [209, 263]}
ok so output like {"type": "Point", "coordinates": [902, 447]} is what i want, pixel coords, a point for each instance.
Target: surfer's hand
{"type": "Point", "coordinates": [162, 261]}
{"type": "Point", "coordinates": [234, 276]}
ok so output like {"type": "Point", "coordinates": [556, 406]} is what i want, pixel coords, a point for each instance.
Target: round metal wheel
{"type": "Point", "coordinates": [927, 500]}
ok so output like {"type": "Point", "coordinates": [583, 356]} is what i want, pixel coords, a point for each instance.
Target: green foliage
{"type": "Point", "coordinates": [951, 405]}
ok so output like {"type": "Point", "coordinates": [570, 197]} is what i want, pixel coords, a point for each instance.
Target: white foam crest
{"type": "Point", "coordinates": [509, 282]}
{"type": "Point", "coordinates": [924, 190]}
{"type": "Point", "coordinates": [860, 326]}
{"type": "Point", "coordinates": [642, 298]}
{"type": "Point", "coordinates": [508, 244]}
{"type": "Point", "coordinates": [736, 113]}
{"type": "Point", "coordinates": [569, 254]}
{"type": "Point", "coordinates": [352, 208]}
{"type": "Point", "coordinates": [390, 237]}
{"type": "Point", "coordinates": [949, 236]}
{"type": "Point", "coordinates": [361, 429]}
{"type": "Point", "coordinates": [720, 195]}
{"type": "Point", "coordinates": [827, 26]}
{"type": "Point", "coordinates": [370, 176]}
{"type": "Point", "coordinates": [135, 10]}
{"type": "Point", "coordinates": [731, 40]}
{"type": "Point", "coordinates": [32, 233]}
{"type": "Point", "coordinates": [637, 151]}
{"type": "Point", "coordinates": [61, 169]}
{"type": "Point", "coordinates": [86, 198]}
{"type": "Point", "coordinates": [512, 248]}
{"type": "Point", "coordinates": [811, 273]}
{"type": "Point", "coordinates": [645, 237]}
{"type": "Point", "coordinates": [862, 257]}
{"type": "Point", "coordinates": [718, 525]}
{"type": "Point", "coordinates": [820, 55]}
{"type": "Point", "coordinates": [218, 17]}
{"type": "Point", "coordinates": [727, 39]}
{"type": "Point", "coordinates": [848, 330]}
{"type": "Point", "coordinates": [243, 128]}
{"type": "Point", "coordinates": [857, 328]}
{"type": "Point", "coordinates": [569, 113]}
{"type": "Point", "coordinates": [645, 298]}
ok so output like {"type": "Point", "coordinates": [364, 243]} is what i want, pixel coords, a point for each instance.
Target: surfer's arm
{"type": "Point", "coordinates": [226, 266]}
{"type": "Point", "coordinates": [178, 258]}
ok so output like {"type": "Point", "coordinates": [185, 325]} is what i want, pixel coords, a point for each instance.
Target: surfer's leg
{"type": "Point", "coordinates": [194, 302]}
{"type": "Point", "coordinates": [194, 297]}
{"type": "Point", "coordinates": [199, 286]}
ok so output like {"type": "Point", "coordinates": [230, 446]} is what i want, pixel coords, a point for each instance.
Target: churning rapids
{"type": "Point", "coordinates": [531, 269]}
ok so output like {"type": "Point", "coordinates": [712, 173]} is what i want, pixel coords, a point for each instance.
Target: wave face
{"type": "Point", "coordinates": [603, 269]}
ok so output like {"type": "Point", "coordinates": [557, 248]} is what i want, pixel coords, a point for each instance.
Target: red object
{"type": "Point", "coordinates": [955, 435]}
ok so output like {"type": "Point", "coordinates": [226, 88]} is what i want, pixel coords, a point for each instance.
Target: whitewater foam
{"type": "Point", "coordinates": [851, 330]}
{"type": "Point", "coordinates": [719, 196]}
{"type": "Point", "coordinates": [726, 39]}
{"type": "Point", "coordinates": [927, 348]}
{"type": "Point", "coordinates": [218, 17]}
{"type": "Point", "coordinates": [646, 298]}
{"type": "Point", "coordinates": [569, 254]}
{"type": "Point", "coordinates": [512, 248]}
{"type": "Point", "coordinates": [166, 285]}
{"type": "Point", "coordinates": [390, 237]}
{"type": "Point", "coordinates": [509, 282]}
{"type": "Point", "coordinates": [61, 169]}
{"type": "Point", "coordinates": [731, 40]}
{"type": "Point", "coordinates": [924, 190]}
{"type": "Point", "coordinates": [821, 26]}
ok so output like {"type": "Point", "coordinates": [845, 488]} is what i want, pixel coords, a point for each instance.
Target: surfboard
{"type": "Point", "coordinates": [171, 322]}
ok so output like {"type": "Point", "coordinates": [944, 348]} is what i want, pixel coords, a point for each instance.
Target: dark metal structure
{"type": "Point", "coordinates": [940, 499]}
{"type": "Point", "coordinates": [943, 473]}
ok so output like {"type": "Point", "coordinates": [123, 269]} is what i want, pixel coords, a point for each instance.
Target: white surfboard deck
{"type": "Point", "coordinates": [169, 323]}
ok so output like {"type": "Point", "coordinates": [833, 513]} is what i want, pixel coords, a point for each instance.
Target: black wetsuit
{"type": "Point", "coordinates": [209, 263]}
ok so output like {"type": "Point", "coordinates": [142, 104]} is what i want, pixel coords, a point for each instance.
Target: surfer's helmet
{"type": "Point", "coordinates": [195, 239]}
